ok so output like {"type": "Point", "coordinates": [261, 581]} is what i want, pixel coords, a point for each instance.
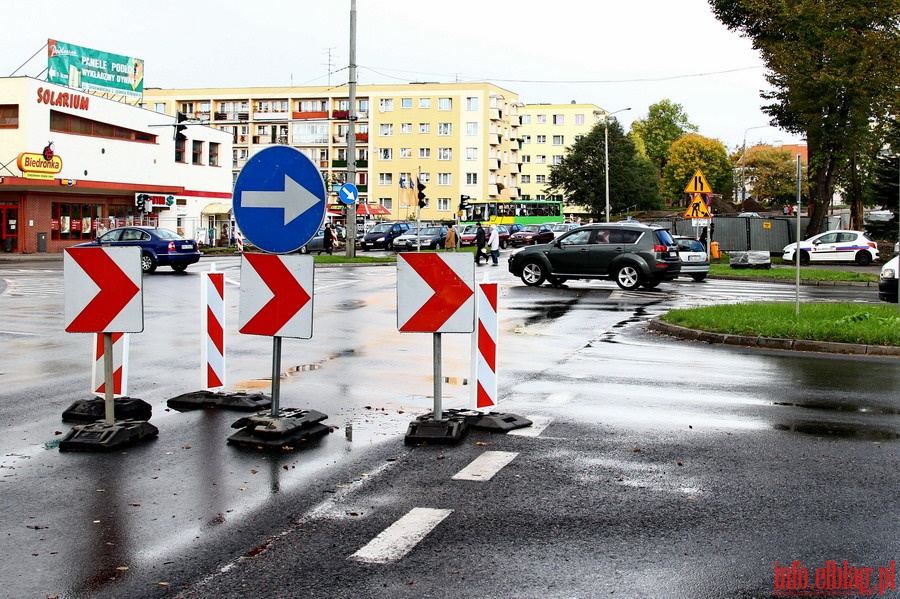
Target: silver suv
{"type": "Point", "coordinates": [631, 254]}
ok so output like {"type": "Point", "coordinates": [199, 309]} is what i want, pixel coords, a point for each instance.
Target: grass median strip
{"type": "Point", "coordinates": [869, 324]}
{"type": "Point", "coordinates": [790, 274]}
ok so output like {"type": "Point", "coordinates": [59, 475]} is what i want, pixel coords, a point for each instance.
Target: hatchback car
{"type": "Point", "coordinates": [631, 254]}
{"type": "Point", "coordinates": [159, 247]}
{"type": "Point", "coordinates": [382, 235]}
{"type": "Point", "coordinates": [467, 237]}
{"type": "Point", "coordinates": [887, 284]}
{"type": "Point", "coordinates": [560, 228]}
{"type": "Point", "coordinates": [531, 235]}
{"type": "Point", "coordinates": [694, 259]}
{"type": "Point", "coordinates": [835, 246]}
{"type": "Point", "coordinates": [428, 238]}
{"type": "Point", "coordinates": [401, 242]}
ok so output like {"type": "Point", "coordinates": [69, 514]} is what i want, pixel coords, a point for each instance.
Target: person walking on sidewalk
{"type": "Point", "coordinates": [494, 244]}
{"type": "Point", "coordinates": [479, 244]}
{"type": "Point", "coordinates": [450, 240]}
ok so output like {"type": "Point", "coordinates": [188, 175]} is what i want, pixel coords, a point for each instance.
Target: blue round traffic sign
{"type": "Point", "coordinates": [279, 199]}
{"type": "Point", "coordinates": [348, 194]}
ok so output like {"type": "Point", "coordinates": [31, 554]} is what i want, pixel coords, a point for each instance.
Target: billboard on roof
{"type": "Point", "coordinates": [94, 71]}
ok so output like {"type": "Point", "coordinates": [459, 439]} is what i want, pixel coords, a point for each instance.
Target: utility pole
{"type": "Point", "coordinates": [350, 211]}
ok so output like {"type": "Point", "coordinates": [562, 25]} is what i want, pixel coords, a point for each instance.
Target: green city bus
{"type": "Point", "coordinates": [508, 212]}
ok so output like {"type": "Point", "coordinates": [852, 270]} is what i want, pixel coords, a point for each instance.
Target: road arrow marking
{"type": "Point", "coordinates": [294, 199]}
{"type": "Point", "coordinates": [116, 291]}
{"type": "Point", "coordinates": [450, 293]}
{"type": "Point", "coordinates": [288, 296]}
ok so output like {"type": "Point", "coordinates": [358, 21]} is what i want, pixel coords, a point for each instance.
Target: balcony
{"type": "Point", "coordinates": [513, 193]}
{"type": "Point", "coordinates": [494, 140]}
{"type": "Point", "coordinates": [341, 115]}
{"type": "Point", "coordinates": [493, 191]}
{"type": "Point", "coordinates": [494, 164]}
{"type": "Point", "coordinates": [305, 116]}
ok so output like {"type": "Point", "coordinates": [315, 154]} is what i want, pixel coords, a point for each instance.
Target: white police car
{"type": "Point", "coordinates": [887, 284]}
{"type": "Point", "coordinates": [835, 246]}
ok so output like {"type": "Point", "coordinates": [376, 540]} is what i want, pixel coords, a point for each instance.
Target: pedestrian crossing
{"type": "Point", "coordinates": [32, 286]}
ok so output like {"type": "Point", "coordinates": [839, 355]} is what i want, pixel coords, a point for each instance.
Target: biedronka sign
{"type": "Point", "coordinates": [39, 166]}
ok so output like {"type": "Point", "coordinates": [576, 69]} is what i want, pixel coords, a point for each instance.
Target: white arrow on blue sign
{"type": "Point", "coordinates": [348, 193]}
{"type": "Point", "coordinates": [279, 200]}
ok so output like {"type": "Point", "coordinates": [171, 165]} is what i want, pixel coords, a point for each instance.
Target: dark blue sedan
{"type": "Point", "coordinates": [159, 247]}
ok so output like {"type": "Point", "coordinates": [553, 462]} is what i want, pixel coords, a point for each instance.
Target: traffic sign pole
{"type": "Point", "coordinates": [436, 344]}
{"type": "Point", "coordinates": [109, 391]}
{"type": "Point", "coordinates": [276, 375]}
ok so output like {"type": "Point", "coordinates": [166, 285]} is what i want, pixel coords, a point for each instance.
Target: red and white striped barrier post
{"type": "Point", "coordinates": [484, 345]}
{"type": "Point", "coordinates": [239, 240]}
{"type": "Point", "coordinates": [120, 365]}
{"type": "Point", "coordinates": [212, 302]}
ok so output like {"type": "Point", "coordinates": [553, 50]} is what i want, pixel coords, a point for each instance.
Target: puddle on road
{"type": "Point", "coordinates": [840, 431]}
{"type": "Point", "coordinates": [836, 407]}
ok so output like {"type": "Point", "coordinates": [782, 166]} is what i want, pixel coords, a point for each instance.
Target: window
{"type": "Point", "coordinates": [424, 102]}
{"type": "Point", "coordinates": [471, 153]}
{"type": "Point", "coordinates": [405, 127]}
{"type": "Point", "coordinates": [540, 178]}
{"type": "Point", "coordinates": [526, 119]}
{"type": "Point", "coordinates": [405, 152]}
{"type": "Point", "coordinates": [9, 116]}
{"type": "Point", "coordinates": [310, 133]}
{"type": "Point", "coordinates": [526, 158]}
{"type": "Point", "coordinates": [541, 139]}
{"type": "Point", "coordinates": [179, 150]}
{"type": "Point", "coordinates": [578, 138]}
{"type": "Point", "coordinates": [444, 179]}
{"type": "Point", "coordinates": [68, 123]}
{"type": "Point", "coordinates": [159, 107]}
{"type": "Point", "coordinates": [579, 119]}
{"type": "Point", "coordinates": [405, 102]}
{"type": "Point", "coordinates": [386, 129]}
{"type": "Point", "coordinates": [445, 104]}
{"type": "Point", "coordinates": [424, 127]}
{"type": "Point", "coordinates": [425, 177]}
{"type": "Point", "coordinates": [386, 202]}
{"type": "Point", "coordinates": [443, 204]}
{"type": "Point", "coordinates": [559, 140]}
{"type": "Point", "coordinates": [556, 160]}
{"type": "Point", "coordinates": [445, 154]}
{"type": "Point", "coordinates": [472, 103]}
{"type": "Point", "coordinates": [213, 154]}
{"type": "Point", "coordinates": [313, 106]}
{"type": "Point", "coordinates": [540, 159]}
{"type": "Point", "coordinates": [471, 178]}
{"type": "Point", "coordinates": [74, 221]}
{"type": "Point", "coordinates": [424, 152]}
{"type": "Point", "coordinates": [385, 153]}
{"type": "Point", "coordinates": [541, 118]}
{"type": "Point", "coordinates": [445, 128]}
{"type": "Point", "coordinates": [559, 119]}
{"type": "Point", "coordinates": [364, 106]}
{"type": "Point", "coordinates": [525, 179]}
{"type": "Point", "coordinates": [385, 179]}
{"type": "Point", "coordinates": [386, 104]}
{"type": "Point", "coordinates": [471, 128]}
{"type": "Point", "coordinates": [526, 139]}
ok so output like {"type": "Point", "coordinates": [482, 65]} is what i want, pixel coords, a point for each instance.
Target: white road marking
{"type": "Point", "coordinates": [538, 424]}
{"type": "Point", "coordinates": [485, 466]}
{"type": "Point", "coordinates": [399, 538]}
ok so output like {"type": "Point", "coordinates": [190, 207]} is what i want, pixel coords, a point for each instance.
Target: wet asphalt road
{"type": "Point", "coordinates": [662, 468]}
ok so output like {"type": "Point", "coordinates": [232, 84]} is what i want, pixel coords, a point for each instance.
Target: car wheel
{"type": "Point", "coordinates": [628, 277]}
{"type": "Point", "coordinates": [533, 274]}
{"type": "Point", "coordinates": [304, 250]}
{"type": "Point", "coordinates": [651, 283]}
{"type": "Point", "coordinates": [148, 263]}
{"type": "Point", "coordinates": [503, 244]}
{"type": "Point", "coordinates": [699, 276]}
{"type": "Point", "coordinates": [179, 267]}
{"type": "Point", "coordinates": [863, 258]}
{"type": "Point", "coordinates": [389, 245]}
{"type": "Point", "coordinates": [804, 258]}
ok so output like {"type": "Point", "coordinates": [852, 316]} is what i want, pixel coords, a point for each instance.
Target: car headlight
{"type": "Point", "coordinates": [888, 273]}
{"type": "Point", "coordinates": [379, 240]}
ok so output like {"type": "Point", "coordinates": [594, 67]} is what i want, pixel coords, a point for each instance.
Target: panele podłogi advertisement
{"type": "Point", "coordinates": [94, 71]}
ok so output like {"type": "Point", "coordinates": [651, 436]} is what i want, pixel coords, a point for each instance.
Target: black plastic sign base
{"type": "Point", "coordinates": [285, 431]}
{"type": "Point", "coordinates": [490, 421]}
{"type": "Point", "coordinates": [244, 402]}
{"type": "Point", "coordinates": [94, 409]}
{"type": "Point", "coordinates": [99, 436]}
{"type": "Point", "coordinates": [447, 431]}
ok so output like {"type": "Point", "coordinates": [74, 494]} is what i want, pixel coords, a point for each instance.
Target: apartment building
{"type": "Point", "coordinates": [456, 138]}
{"type": "Point", "coordinates": [547, 131]}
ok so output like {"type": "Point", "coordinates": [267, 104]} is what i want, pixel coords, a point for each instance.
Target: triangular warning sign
{"type": "Point", "coordinates": [697, 208]}
{"type": "Point", "coordinates": [698, 184]}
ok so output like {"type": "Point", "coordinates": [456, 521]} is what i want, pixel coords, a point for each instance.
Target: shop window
{"type": "Point", "coordinates": [73, 221]}
{"type": "Point", "coordinates": [9, 116]}
{"type": "Point", "coordinates": [196, 152]}
{"type": "Point", "coordinates": [213, 154]}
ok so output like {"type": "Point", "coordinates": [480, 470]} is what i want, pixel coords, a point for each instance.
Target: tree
{"type": "Point", "coordinates": [581, 177]}
{"type": "Point", "coordinates": [833, 68]}
{"type": "Point", "coordinates": [689, 153]}
{"type": "Point", "coordinates": [771, 174]}
{"type": "Point", "coordinates": [666, 121]}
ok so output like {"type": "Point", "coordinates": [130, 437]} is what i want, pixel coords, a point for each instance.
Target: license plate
{"type": "Point", "coordinates": [188, 246]}
{"type": "Point", "coordinates": [693, 258]}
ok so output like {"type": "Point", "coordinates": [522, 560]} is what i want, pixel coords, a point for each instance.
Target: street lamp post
{"type": "Point", "coordinates": [606, 114]}
{"type": "Point", "coordinates": [743, 191]}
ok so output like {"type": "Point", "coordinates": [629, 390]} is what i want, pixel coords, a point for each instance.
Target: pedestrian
{"type": "Point", "coordinates": [450, 240]}
{"type": "Point", "coordinates": [328, 242]}
{"type": "Point", "coordinates": [494, 244]}
{"type": "Point", "coordinates": [479, 243]}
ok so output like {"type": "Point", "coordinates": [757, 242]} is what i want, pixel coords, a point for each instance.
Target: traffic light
{"type": "Point", "coordinates": [463, 202]}
{"type": "Point", "coordinates": [423, 201]}
{"type": "Point", "coordinates": [141, 202]}
{"type": "Point", "coordinates": [180, 117]}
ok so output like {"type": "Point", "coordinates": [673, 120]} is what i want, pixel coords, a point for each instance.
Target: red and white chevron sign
{"type": "Point", "coordinates": [212, 304]}
{"type": "Point", "coordinates": [103, 290]}
{"type": "Point", "coordinates": [435, 293]}
{"type": "Point", "coordinates": [276, 295]}
{"type": "Point", "coordinates": [485, 341]}
{"type": "Point", "coordinates": [120, 365]}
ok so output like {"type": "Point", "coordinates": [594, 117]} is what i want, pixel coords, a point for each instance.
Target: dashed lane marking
{"type": "Point", "coordinates": [399, 538]}
{"type": "Point", "coordinates": [538, 424]}
{"type": "Point", "coordinates": [485, 466]}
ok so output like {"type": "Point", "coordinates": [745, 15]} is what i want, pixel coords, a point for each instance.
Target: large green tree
{"type": "Point", "coordinates": [834, 70]}
{"type": "Point", "coordinates": [581, 176]}
{"type": "Point", "coordinates": [771, 175]}
{"type": "Point", "coordinates": [688, 154]}
{"type": "Point", "coordinates": [666, 121]}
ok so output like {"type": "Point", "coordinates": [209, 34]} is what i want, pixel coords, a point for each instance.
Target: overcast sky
{"type": "Point", "coordinates": [627, 54]}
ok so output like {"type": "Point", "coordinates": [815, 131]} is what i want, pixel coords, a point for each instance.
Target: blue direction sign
{"type": "Point", "coordinates": [348, 193]}
{"type": "Point", "coordinates": [279, 200]}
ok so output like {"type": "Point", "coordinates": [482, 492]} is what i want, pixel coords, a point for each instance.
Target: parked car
{"type": "Point", "coordinates": [317, 243]}
{"type": "Point", "coordinates": [887, 284]}
{"type": "Point", "coordinates": [631, 254]}
{"type": "Point", "coordinates": [430, 238]}
{"type": "Point", "coordinates": [560, 228]}
{"type": "Point", "coordinates": [382, 235]}
{"type": "Point", "coordinates": [401, 243]}
{"type": "Point", "coordinates": [159, 247]}
{"type": "Point", "coordinates": [694, 259]}
{"type": "Point", "coordinates": [531, 235]}
{"type": "Point", "coordinates": [467, 237]}
{"type": "Point", "coordinates": [749, 215]}
{"type": "Point", "coordinates": [835, 246]}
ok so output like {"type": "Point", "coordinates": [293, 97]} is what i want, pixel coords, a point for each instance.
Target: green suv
{"type": "Point", "coordinates": [631, 254]}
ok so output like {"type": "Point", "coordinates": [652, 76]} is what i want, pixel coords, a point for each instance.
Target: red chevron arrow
{"type": "Point", "coordinates": [450, 292]}
{"type": "Point", "coordinates": [116, 290]}
{"type": "Point", "coordinates": [289, 296]}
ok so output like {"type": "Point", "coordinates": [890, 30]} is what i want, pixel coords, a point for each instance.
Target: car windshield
{"type": "Point", "coordinates": [470, 230]}
{"type": "Point", "coordinates": [690, 245]}
{"type": "Point", "coordinates": [410, 231]}
{"type": "Point", "coordinates": [664, 238]}
{"type": "Point", "coordinates": [530, 229]}
{"type": "Point", "coordinates": [382, 228]}
{"type": "Point", "coordinates": [560, 227]}
{"type": "Point", "coordinates": [431, 231]}
{"type": "Point", "coordinates": [167, 234]}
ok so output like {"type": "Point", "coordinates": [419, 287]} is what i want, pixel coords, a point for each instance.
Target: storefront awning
{"type": "Point", "coordinates": [217, 208]}
{"type": "Point", "coordinates": [371, 209]}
